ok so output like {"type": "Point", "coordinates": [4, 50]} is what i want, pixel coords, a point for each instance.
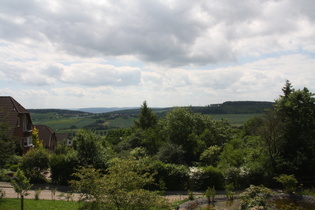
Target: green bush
{"type": "Point", "coordinates": [255, 197]}
{"type": "Point", "coordinates": [202, 178]}
{"type": "Point", "coordinates": [289, 182]}
{"type": "Point", "coordinates": [63, 166]}
{"type": "Point", "coordinates": [172, 176]}
{"type": "Point", "coordinates": [34, 163]}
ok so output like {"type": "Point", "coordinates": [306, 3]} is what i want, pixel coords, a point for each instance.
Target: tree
{"type": "Point", "coordinates": [7, 144]}
{"type": "Point", "coordinates": [147, 119]}
{"type": "Point", "coordinates": [21, 185]}
{"type": "Point", "coordinates": [122, 187]}
{"type": "Point", "coordinates": [296, 110]}
{"type": "Point", "coordinates": [35, 162]}
{"type": "Point", "coordinates": [90, 149]}
{"type": "Point", "coordinates": [35, 138]}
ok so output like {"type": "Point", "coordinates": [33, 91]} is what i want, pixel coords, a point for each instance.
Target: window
{"type": "Point", "coordinates": [28, 141]}
{"type": "Point", "coordinates": [24, 123]}
{"type": "Point", "coordinates": [18, 122]}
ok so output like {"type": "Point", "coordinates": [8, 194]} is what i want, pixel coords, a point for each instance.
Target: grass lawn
{"type": "Point", "coordinates": [30, 204]}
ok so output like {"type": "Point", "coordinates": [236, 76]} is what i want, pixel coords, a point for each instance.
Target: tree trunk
{"type": "Point", "coordinates": [22, 202]}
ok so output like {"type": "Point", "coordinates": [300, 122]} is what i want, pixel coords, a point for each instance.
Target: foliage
{"type": "Point", "coordinates": [122, 187]}
{"type": "Point", "coordinates": [62, 167]}
{"type": "Point", "coordinates": [35, 138]}
{"type": "Point", "coordinates": [2, 194]}
{"type": "Point", "coordinates": [204, 177]}
{"type": "Point", "coordinates": [194, 132]}
{"type": "Point", "coordinates": [289, 182]}
{"type": "Point", "coordinates": [255, 197]}
{"type": "Point", "coordinates": [20, 183]}
{"type": "Point", "coordinates": [147, 119]}
{"type": "Point", "coordinates": [210, 156]}
{"type": "Point", "coordinates": [90, 149]}
{"type": "Point", "coordinates": [35, 162]}
{"type": "Point", "coordinates": [295, 109]}
{"type": "Point", "coordinates": [7, 144]}
{"type": "Point", "coordinates": [210, 194]}
{"type": "Point", "coordinates": [191, 195]}
{"type": "Point", "coordinates": [171, 153]}
{"type": "Point", "coordinates": [37, 193]}
{"type": "Point", "coordinates": [170, 176]}
{"type": "Point", "coordinates": [229, 188]}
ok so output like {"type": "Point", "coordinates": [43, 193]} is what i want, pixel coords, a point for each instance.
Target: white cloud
{"type": "Point", "coordinates": [99, 53]}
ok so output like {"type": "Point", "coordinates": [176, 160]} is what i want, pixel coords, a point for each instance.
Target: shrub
{"type": "Point", "coordinates": [63, 166]}
{"type": "Point", "coordinates": [202, 178]}
{"type": "Point", "coordinates": [37, 193]}
{"type": "Point", "coordinates": [172, 176]}
{"type": "Point", "coordinates": [34, 163]}
{"type": "Point", "coordinates": [2, 193]}
{"type": "Point", "coordinates": [210, 194]}
{"type": "Point", "coordinates": [255, 197]}
{"type": "Point", "coordinates": [288, 182]}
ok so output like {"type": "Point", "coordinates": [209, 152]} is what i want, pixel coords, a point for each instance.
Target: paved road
{"type": "Point", "coordinates": [46, 193]}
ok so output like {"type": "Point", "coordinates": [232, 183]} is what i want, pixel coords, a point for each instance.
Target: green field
{"type": "Point", "coordinates": [235, 119]}
{"type": "Point", "coordinates": [15, 204]}
{"type": "Point", "coordinates": [100, 122]}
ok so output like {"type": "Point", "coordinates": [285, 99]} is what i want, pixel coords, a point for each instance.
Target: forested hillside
{"type": "Point", "coordinates": [69, 121]}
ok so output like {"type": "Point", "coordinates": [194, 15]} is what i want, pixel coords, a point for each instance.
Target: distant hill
{"type": "Point", "coordinates": [58, 112]}
{"type": "Point", "coordinates": [235, 107]}
{"type": "Point", "coordinates": [97, 110]}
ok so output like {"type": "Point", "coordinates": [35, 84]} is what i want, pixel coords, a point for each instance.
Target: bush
{"type": "Point", "coordinates": [172, 176]}
{"type": "Point", "coordinates": [288, 182]}
{"type": "Point", "coordinates": [63, 166]}
{"type": "Point", "coordinates": [34, 163]}
{"type": "Point", "coordinates": [2, 193]}
{"type": "Point", "coordinates": [255, 197]}
{"type": "Point", "coordinates": [202, 178]}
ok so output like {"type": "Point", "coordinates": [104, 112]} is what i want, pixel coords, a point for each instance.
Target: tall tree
{"type": "Point", "coordinates": [147, 119]}
{"type": "Point", "coordinates": [296, 110]}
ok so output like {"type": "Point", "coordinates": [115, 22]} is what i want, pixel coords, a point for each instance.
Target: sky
{"type": "Point", "coordinates": [119, 53]}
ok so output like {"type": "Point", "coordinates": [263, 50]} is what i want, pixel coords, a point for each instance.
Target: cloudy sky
{"type": "Point", "coordinates": [118, 53]}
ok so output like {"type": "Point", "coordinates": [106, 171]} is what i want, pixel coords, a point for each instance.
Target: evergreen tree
{"type": "Point", "coordinates": [296, 110]}
{"type": "Point", "coordinates": [147, 119]}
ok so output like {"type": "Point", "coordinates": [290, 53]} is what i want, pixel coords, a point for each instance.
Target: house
{"type": "Point", "coordinates": [64, 137]}
{"type": "Point", "coordinates": [48, 136]}
{"type": "Point", "coordinates": [19, 121]}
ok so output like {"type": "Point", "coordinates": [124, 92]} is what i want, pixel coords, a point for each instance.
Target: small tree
{"type": "Point", "coordinates": [210, 194]}
{"type": "Point", "coordinates": [122, 187]}
{"type": "Point", "coordinates": [35, 138]}
{"type": "Point", "coordinates": [21, 185]}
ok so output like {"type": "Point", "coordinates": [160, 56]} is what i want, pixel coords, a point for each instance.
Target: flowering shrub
{"type": "Point", "coordinates": [255, 197]}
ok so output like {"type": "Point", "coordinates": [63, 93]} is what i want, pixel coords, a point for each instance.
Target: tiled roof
{"type": "Point", "coordinates": [61, 136]}
{"type": "Point", "coordinates": [11, 104]}
{"type": "Point", "coordinates": [45, 133]}
{"type": "Point", "coordinates": [9, 111]}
